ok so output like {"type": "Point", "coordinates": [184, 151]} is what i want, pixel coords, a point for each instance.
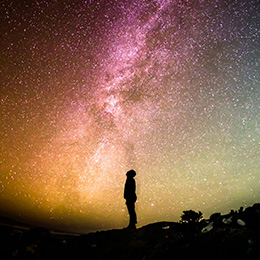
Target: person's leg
{"type": "Point", "coordinates": [132, 214]}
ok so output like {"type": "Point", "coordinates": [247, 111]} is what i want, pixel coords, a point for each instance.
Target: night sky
{"type": "Point", "coordinates": [92, 89]}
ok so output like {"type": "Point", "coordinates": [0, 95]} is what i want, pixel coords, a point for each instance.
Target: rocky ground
{"type": "Point", "coordinates": [232, 236]}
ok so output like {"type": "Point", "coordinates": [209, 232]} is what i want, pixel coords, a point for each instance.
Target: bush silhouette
{"type": "Point", "coordinates": [191, 217]}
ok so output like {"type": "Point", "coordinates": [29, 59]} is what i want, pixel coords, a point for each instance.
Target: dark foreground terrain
{"type": "Point", "coordinates": [232, 236]}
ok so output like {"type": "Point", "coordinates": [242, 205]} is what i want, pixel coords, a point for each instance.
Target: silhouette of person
{"type": "Point", "coordinates": [130, 197]}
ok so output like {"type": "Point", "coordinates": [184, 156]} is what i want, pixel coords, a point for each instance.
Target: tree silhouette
{"type": "Point", "coordinates": [190, 216]}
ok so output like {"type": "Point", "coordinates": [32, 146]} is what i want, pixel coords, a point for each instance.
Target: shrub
{"type": "Point", "coordinates": [190, 216]}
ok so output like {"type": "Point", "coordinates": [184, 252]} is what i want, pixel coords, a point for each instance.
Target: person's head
{"type": "Point", "coordinates": [131, 174]}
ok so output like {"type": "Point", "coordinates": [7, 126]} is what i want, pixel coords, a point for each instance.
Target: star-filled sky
{"type": "Point", "coordinates": [92, 89]}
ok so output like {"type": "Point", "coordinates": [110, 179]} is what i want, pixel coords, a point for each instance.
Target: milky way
{"type": "Point", "coordinates": [92, 89]}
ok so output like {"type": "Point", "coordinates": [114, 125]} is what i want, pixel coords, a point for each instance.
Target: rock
{"type": "Point", "coordinates": [227, 220]}
{"type": "Point", "coordinates": [208, 228]}
{"type": "Point", "coordinates": [240, 222]}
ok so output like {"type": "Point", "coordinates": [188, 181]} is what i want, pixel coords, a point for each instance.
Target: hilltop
{"type": "Point", "coordinates": [233, 235]}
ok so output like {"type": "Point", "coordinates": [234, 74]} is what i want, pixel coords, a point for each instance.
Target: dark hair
{"type": "Point", "coordinates": [131, 173]}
